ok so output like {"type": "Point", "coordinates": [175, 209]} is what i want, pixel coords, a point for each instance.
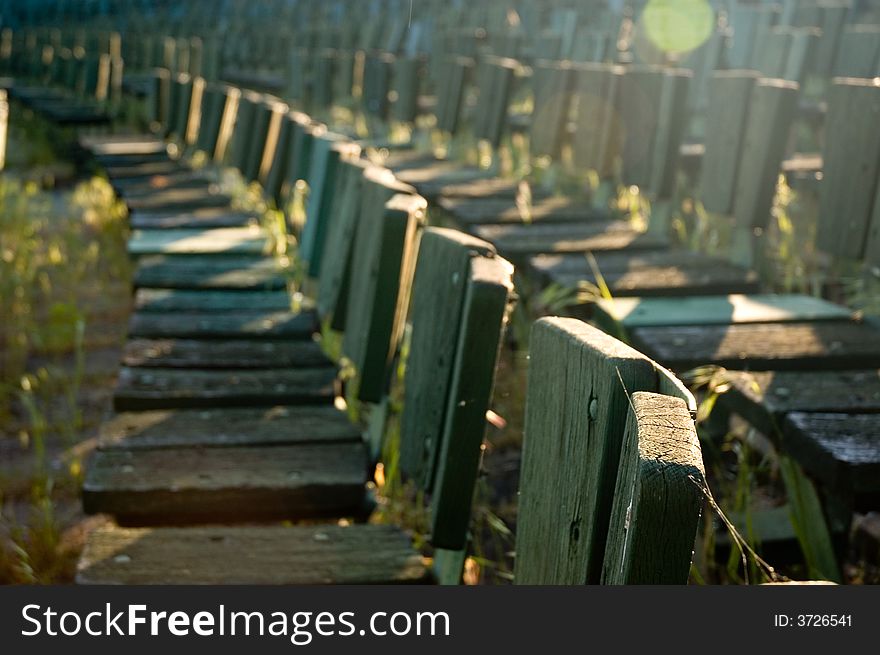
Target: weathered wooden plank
{"type": "Point", "coordinates": [133, 188]}
{"type": "Point", "coordinates": [267, 426]}
{"type": "Point", "coordinates": [672, 122]}
{"type": "Point", "coordinates": [226, 240]}
{"type": "Point", "coordinates": [717, 310]}
{"type": "Point", "coordinates": [245, 120]}
{"type": "Point", "coordinates": [841, 451]}
{"type": "Point", "coordinates": [658, 498]}
{"type": "Point", "coordinates": [324, 554]}
{"type": "Point", "coordinates": [648, 273]}
{"type": "Point", "coordinates": [168, 300]}
{"type": "Point", "coordinates": [143, 167]}
{"type": "Point", "coordinates": [209, 272]}
{"type": "Point", "coordinates": [146, 388]}
{"type": "Point", "coordinates": [858, 52]}
{"type": "Point", "coordinates": [554, 209]}
{"type": "Point", "coordinates": [521, 240]}
{"type": "Point", "coordinates": [771, 112]}
{"type": "Point", "coordinates": [764, 397]}
{"type": "Point", "coordinates": [485, 311]}
{"type": "Point", "coordinates": [439, 285]}
{"type": "Point", "coordinates": [729, 99]}
{"type": "Point", "coordinates": [571, 450]}
{"type": "Point", "coordinates": [197, 219]}
{"type": "Point", "coordinates": [224, 325]}
{"type": "Point", "coordinates": [381, 275]}
{"type": "Point", "coordinates": [235, 483]}
{"type": "Point", "coordinates": [406, 86]}
{"type": "Point", "coordinates": [333, 279]}
{"type": "Point", "coordinates": [637, 103]}
{"type": "Point", "coordinates": [197, 353]}
{"type": "Point", "coordinates": [597, 135]}
{"type": "Point", "coordinates": [180, 200]}
{"type": "Point", "coordinates": [851, 165]}
{"type": "Point", "coordinates": [552, 82]}
{"type": "Point", "coordinates": [824, 345]}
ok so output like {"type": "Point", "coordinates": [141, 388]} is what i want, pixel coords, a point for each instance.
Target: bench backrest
{"type": "Point", "coordinates": [580, 388]}
{"type": "Point", "coordinates": [461, 298]}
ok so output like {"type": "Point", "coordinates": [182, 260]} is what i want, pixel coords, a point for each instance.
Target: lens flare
{"type": "Point", "coordinates": [677, 26]}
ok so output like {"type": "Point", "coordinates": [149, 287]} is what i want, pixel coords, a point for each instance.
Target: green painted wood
{"type": "Point", "coordinates": [522, 240]}
{"type": "Point", "coordinates": [673, 272]}
{"type": "Point", "coordinates": [455, 73]}
{"type": "Point", "coordinates": [231, 240]}
{"type": "Point", "coordinates": [597, 132]}
{"type": "Point", "coordinates": [802, 53]}
{"type": "Point", "coordinates": [485, 311]}
{"type": "Point", "coordinates": [770, 56]}
{"type": "Point", "coordinates": [327, 151]}
{"type": "Point", "coordinates": [441, 280]}
{"type": "Point", "coordinates": [716, 310]}
{"type": "Point", "coordinates": [637, 105]}
{"type": "Point", "coordinates": [205, 218]}
{"type": "Point", "coordinates": [381, 274]}
{"type": "Point", "coordinates": [771, 112]}
{"type": "Point", "coordinates": [448, 566]}
{"type": "Point", "coordinates": [333, 280]}
{"type": "Point", "coordinates": [245, 122]}
{"type": "Point", "coordinates": [850, 169]}
{"type": "Point", "coordinates": [496, 79]}
{"type": "Point", "coordinates": [834, 17]}
{"type": "Point", "coordinates": [747, 22]}
{"type": "Point", "coordinates": [180, 200]}
{"type": "Point", "coordinates": [300, 151]}
{"type": "Point", "coordinates": [571, 450]}
{"type": "Point", "coordinates": [325, 71]}
{"type": "Point", "coordinates": [209, 272]}
{"type": "Point", "coordinates": [858, 54]}
{"type": "Point", "coordinates": [729, 100]}
{"type": "Point", "coordinates": [672, 121]}
{"type": "Point", "coordinates": [406, 86]}
{"type": "Point", "coordinates": [378, 69]}
{"type": "Point", "coordinates": [234, 483]}
{"type": "Point", "coordinates": [168, 300]}
{"type": "Point", "coordinates": [494, 209]}
{"type": "Point", "coordinates": [215, 353]}
{"type": "Point", "coordinates": [658, 497]}
{"type": "Point", "coordinates": [257, 138]}
{"type": "Point", "coordinates": [552, 81]}
{"type": "Point", "coordinates": [355, 554]}
{"type": "Point", "coordinates": [274, 182]}
{"type": "Point", "coordinates": [146, 388]}
{"type": "Point", "coordinates": [234, 324]}
{"type": "Point", "coordinates": [823, 345]}
{"type": "Point", "coordinates": [212, 428]}
{"type": "Point", "coordinates": [182, 92]}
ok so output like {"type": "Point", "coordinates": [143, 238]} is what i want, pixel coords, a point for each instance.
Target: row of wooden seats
{"type": "Point", "coordinates": [440, 425]}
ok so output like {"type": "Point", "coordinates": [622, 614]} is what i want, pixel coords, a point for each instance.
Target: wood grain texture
{"type": "Point", "coordinates": [658, 498]}
{"type": "Point", "coordinates": [209, 272]}
{"type": "Point", "coordinates": [576, 410]}
{"type": "Point", "coordinates": [146, 388]}
{"type": "Point", "coordinates": [439, 287]}
{"type": "Point", "coordinates": [765, 397]}
{"type": "Point", "coordinates": [672, 122]}
{"type": "Point", "coordinates": [264, 426]}
{"type": "Point", "coordinates": [522, 240]}
{"type": "Point", "coordinates": [552, 92]}
{"type": "Point", "coordinates": [325, 554]}
{"type": "Point", "coordinates": [596, 141]}
{"type": "Point", "coordinates": [235, 483]}
{"type": "Point", "coordinates": [842, 451]}
{"type": "Point", "coordinates": [637, 105]}
{"type": "Point", "coordinates": [193, 353]}
{"type": "Point", "coordinates": [825, 345]}
{"type": "Point", "coordinates": [485, 312]}
{"type": "Point", "coordinates": [171, 300]}
{"type": "Point", "coordinates": [223, 325]}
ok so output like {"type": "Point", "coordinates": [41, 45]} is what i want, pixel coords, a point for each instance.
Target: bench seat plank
{"type": "Point", "coordinates": [326, 554]}
{"type": "Point", "coordinates": [223, 325]}
{"type": "Point", "coordinates": [717, 310]}
{"type": "Point", "coordinates": [210, 217]}
{"type": "Point", "coordinates": [180, 199]}
{"type": "Point", "coordinates": [648, 273]}
{"type": "Point", "coordinates": [170, 300]}
{"type": "Point", "coordinates": [209, 272]}
{"type": "Point", "coordinates": [193, 353]}
{"type": "Point", "coordinates": [822, 345]}
{"type": "Point", "coordinates": [173, 485]}
{"type": "Point", "coordinates": [556, 209]}
{"type": "Point", "coordinates": [155, 388]}
{"type": "Point", "coordinates": [522, 240]}
{"type": "Point", "coordinates": [242, 240]}
{"type": "Point", "coordinates": [264, 426]}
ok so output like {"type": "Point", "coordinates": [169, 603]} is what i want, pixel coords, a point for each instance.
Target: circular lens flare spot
{"type": "Point", "coordinates": [677, 26]}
